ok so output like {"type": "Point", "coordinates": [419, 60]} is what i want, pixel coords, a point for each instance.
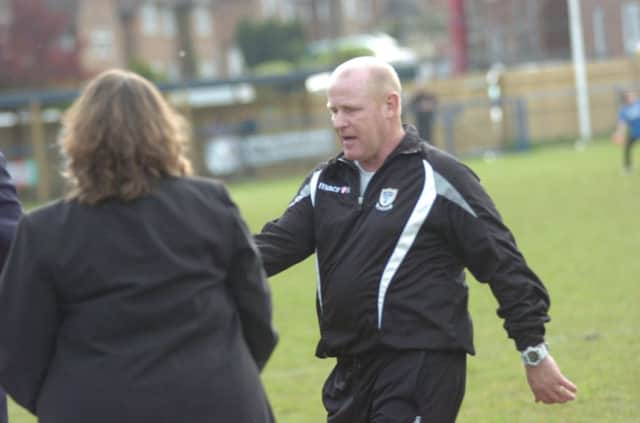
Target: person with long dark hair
{"type": "Point", "coordinates": [139, 296]}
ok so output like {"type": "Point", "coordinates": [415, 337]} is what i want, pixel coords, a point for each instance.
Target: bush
{"type": "Point", "coordinates": [269, 40]}
{"type": "Point", "coordinates": [334, 58]}
{"type": "Point", "coordinates": [145, 70]}
{"type": "Point", "coordinates": [273, 67]}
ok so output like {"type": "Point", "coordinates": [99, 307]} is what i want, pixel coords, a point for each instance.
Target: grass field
{"type": "Point", "coordinates": [575, 217]}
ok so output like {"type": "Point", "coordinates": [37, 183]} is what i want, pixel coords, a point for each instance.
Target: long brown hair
{"type": "Point", "coordinates": [119, 137]}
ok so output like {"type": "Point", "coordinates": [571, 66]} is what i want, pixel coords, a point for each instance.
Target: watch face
{"type": "Point", "coordinates": [533, 356]}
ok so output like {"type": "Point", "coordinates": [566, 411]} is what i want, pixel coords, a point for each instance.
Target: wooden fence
{"type": "Point", "coordinates": [539, 103]}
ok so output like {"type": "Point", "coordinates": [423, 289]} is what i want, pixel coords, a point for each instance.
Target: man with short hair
{"type": "Point", "coordinates": [628, 128]}
{"type": "Point", "coordinates": [394, 222]}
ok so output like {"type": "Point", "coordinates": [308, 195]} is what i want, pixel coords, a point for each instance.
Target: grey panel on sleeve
{"type": "Point", "coordinates": [448, 191]}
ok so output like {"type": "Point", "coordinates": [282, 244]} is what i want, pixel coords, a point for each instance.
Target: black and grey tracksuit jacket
{"type": "Point", "coordinates": [391, 263]}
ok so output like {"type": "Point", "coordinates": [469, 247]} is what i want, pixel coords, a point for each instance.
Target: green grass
{"type": "Point", "coordinates": [575, 217]}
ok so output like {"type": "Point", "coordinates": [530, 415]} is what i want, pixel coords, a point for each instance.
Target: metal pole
{"type": "Point", "coordinates": [39, 145]}
{"type": "Point", "coordinates": [579, 69]}
{"type": "Point", "coordinates": [458, 35]}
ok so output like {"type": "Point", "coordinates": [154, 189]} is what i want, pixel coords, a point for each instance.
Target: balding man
{"type": "Point", "coordinates": [394, 222]}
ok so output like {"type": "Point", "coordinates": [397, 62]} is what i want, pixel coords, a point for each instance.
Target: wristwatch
{"type": "Point", "coordinates": [533, 356]}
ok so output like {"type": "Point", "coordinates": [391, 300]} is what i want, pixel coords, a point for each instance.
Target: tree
{"type": "Point", "coordinates": [270, 40]}
{"type": "Point", "coordinates": [33, 52]}
{"type": "Point", "coordinates": [145, 70]}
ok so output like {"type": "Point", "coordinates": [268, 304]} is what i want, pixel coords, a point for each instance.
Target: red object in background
{"type": "Point", "coordinates": [32, 53]}
{"type": "Point", "coordinates": [458, 35]}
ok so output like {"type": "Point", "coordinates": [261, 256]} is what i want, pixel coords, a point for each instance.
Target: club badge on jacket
{"type": "Point", "coordinates": [386, 199]}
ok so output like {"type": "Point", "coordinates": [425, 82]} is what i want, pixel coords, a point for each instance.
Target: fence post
{"type": "Point", "coordinates": [39, 145]}
{"type": "Point", "coordinates": [450, 113]}
{"type": "Point", "coordinates": [523, 141]}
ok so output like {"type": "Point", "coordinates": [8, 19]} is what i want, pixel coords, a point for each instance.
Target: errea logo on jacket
{"type": "Point", "coordinates": [308, 190]}
{"type": "Point", "coordinates": [334, 188]}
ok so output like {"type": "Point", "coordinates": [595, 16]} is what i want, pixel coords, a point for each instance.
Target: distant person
{"type": "Point", "coordinates": [10, 213]}
{"type": "Point", "coordinates": [394, 222]}
{"type": "Point", "coordinates": [140, 296]}
{"type": "Point", "coordinates": [628, 128]}
{"type": "Point", "coordinates": [424, 105]}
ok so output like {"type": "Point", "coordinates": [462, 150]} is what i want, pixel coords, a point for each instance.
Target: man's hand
{"type": "Point", "coordinates": [617, 138]}
{"type": "Point", "coordinates": [548, 384]}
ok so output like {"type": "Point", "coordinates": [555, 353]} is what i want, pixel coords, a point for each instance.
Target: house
{"type": "Point", "coordinates": [611, 28]}
{"type": "Point", "coordinates": [196, 38]}
{"type": "Point", "coordinates": [514, 32]}
{"type": "Point", "coordinates": [176, 38]}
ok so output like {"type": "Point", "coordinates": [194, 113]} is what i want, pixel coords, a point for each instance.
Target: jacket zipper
{"type": "Point", "coordinates": [385, 164]}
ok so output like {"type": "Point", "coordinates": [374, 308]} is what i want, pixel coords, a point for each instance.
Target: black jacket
{"type": "Point", "coordinates": [155, 310]}
{"type": "Point", "coordinates": [10, 213]}
{"type": "Point", "coordinates": [10, 210]}
{"type": "Point", "coordinates": [391, 264]}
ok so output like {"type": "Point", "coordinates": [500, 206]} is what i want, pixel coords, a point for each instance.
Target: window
{"type": "Point", "coordinates": [324, 11]}
{"type": "Point", "coordinates": [631, 26]}
{"type": "Point", "coordinates": [235, 62]}
{"type": "Point", "coordinates": [270, 7]}
{"type": "Point", "coordinates": [5, 13]}
{"type": "Point", "coordinates": [599, 34]}
{"type": "Point", "coordinates": [287, 11]}
{"type": "Point", "coordinates": [353, 12]}
{"type": "Point", "coordinates": [101, 44]}
{"type": "Point", "coordinates": [202, 21]}
{"type": "Point", "coordinates": [149, 14]}
{"type": "Point", "coordinates": [168, 20]}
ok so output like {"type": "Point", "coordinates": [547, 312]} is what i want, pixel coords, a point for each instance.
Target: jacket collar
{"type": "Point", "coordinates": [410, 144]}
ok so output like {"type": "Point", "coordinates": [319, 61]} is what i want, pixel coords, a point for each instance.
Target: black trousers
{"type": "Point", "coordinates": [3, 407]}
{"type": "Point", "coordinates": [396, 386]}
{"type": "Point", "coordinates": [629, 142]}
